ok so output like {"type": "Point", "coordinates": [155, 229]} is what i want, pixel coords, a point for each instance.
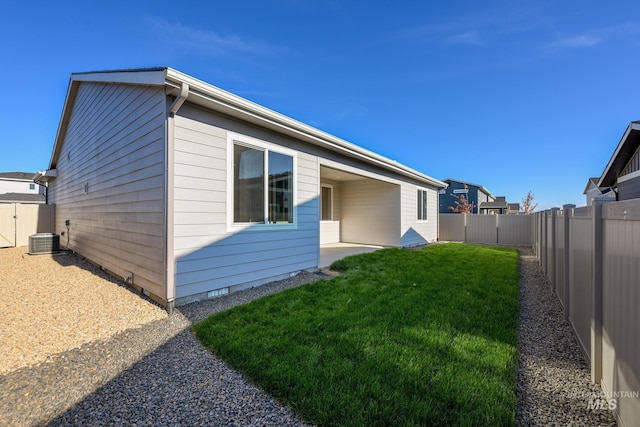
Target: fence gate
{"type": "Point", "coordinates": [7, 225]}
{"type": "Point", "coordinates": [18, 221]}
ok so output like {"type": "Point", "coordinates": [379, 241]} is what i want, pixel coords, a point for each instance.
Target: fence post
{"type": "Point", "coordinates": [545, 239]}
{"type": "Point", "coordinates": [568, 210]}
{"type": "Point", "coordinates": [541, 227]}
{"type": "Point", "coordinates": [552, 273]}
{"type": "Point", "coordinates": [539, 235]}
{"type": "Point", "coordinates": [596, 308]}
{"type": "Point", "coordinates": [465, 228]}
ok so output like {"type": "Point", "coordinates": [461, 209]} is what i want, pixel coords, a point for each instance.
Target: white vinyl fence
{"type": "Point", "coordinates": [591, 257]}
{"type": "Point", "coordinates": [509, 230]}
{"type": "Point", "coordinates": [18, 221]}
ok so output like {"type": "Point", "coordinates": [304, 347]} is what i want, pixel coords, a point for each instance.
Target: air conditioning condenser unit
{"type": "Point", "coordinates": [44, 243]}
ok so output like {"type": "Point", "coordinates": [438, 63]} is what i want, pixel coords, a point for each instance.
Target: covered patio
{"type": "Point", "coordinates": [359, 209]}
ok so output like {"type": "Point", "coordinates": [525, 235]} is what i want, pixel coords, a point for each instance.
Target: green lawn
{"type": "Point", "coordinates": [423, 337]}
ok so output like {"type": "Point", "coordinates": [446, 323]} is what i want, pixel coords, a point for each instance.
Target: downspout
{"type": "Point", "coordinates": [182, 97]}
{"type": "Point", "coordinates": [46, 191]}
{"type": "Point", "coordinates": [169, 183]}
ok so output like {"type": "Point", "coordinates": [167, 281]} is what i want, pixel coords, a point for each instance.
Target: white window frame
{"type": "Point", "coordinates": [266, 147]}
{"type": "Point", "coordinates": [332, 202]}
{"type": "Point", "coordinates": [418, 212]}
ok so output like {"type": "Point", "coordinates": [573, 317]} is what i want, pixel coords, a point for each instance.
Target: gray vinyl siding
{"type": "Point", "coordinates": [207, 255]}
{"type": "Point", "coordinates": [629, 189]}
{"type": "Point", "coordinates": [370, 212]}
{"type": "Point", "coordinates": [416, 232]}
{"type": "Point", "coordinates": [114, 148]}
{"type": "Point", "coordinates": [592, 193]}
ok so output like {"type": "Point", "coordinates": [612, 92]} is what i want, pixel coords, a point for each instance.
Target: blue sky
{"type": "Point", "coordinates": [515, 96]}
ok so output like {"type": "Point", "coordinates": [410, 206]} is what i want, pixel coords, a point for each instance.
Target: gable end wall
{"type": "Point", "coordinates": [111, 181]}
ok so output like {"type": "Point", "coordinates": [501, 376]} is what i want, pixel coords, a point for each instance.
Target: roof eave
{"type": "Point", "coordinates": [205, 94]}
{"type": "Point", "coordinates": [620, 156]}
{"type": "Point", "coordinates": [220, 100]}
{"type": "Point", "coordinates": [147, 76]}
{"type": "Point", "coordinates": [480, 187]}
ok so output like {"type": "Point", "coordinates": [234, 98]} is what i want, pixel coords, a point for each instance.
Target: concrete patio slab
{"type": "Point", "coordinates": [331, 252]}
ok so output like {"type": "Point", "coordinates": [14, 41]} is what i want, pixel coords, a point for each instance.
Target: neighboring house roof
{"type": "Point", "coordinates": [499, 203]}
{"type": "Point", "coordinates": [21, 198]}
{"type": "Point", "coordinates": [482, 188]}
{"type": "Point", "coordinates": [593, 183]}
{"type": "Point", "coordinates": [189, 89]}
{"type": "Point", "coordinates": [624, 151]}
{"type": "Point", "coordinates": [514, 207]}
{"type": "Point", "coordinates": [26, 176]}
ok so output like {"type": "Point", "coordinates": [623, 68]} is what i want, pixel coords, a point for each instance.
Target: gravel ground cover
{"type": "Point", "coordinates": [127, 363]}
{"type": "Point", "coordinates": [53, 303]}
{"type": "Point", "coordinates": [154, 371]}
{"type": "Point", "coordinates": [553, 377]}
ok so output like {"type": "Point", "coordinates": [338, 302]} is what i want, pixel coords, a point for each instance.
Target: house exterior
{"type": "Point", "coordinates": [622, 172]}
{"type": "Point", "coordinates": [591, 191]}
{"type": "Point", "coordinates": [513, 208]}
{"type": "Point", "coordinates": [18, 187]}
{"type": "Point", "coordinates": [498, 206]}
{"type": "Point", "coordinates": [474, 193]}
{"type": "Point", "coordinates": [187, 191]}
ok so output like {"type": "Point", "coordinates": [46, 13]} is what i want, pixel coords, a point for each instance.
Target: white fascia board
{"type": "Point", "coordinates": [221, 100]}
{"type": "Point", "coordinates": [45, 176]}
{"type": "Point", "coordinates": [590, 183]}
{"type": "Point", "coordinates": [237, 106]}
{"type": "Point", "coordinates": [480, 187]}
{"type": "Point", "coordinates": [69, 100]}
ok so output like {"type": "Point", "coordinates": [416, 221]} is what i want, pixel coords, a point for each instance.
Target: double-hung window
{"type": "Point", "coordinates": [422, 204]}
{"type": "Point", "coordinates": [262, 177]}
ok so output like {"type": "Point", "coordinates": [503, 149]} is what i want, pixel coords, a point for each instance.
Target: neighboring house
{"type": "Point", "coordinates": [22, 198]}
{"type": "Point", "coordinates": [513, 208]}
{"type": "Point", "coordinates": [188, 191]}
{"type": "Point", "coordinates": [18, 187]}
{"type": "Point", "coordinates": [622, 173]}
{"type": "Point", "coordinates": [474, 193]}
{"type": "Point", "coordinates": [592, 191]}
{"type": "Point", "coordinates": [498, 206]}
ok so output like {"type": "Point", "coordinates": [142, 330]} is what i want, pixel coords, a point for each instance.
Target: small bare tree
{"type": "Point", "coordinates": [462, 204]}
{"type": "Point", "coordinates": [528, 207]}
